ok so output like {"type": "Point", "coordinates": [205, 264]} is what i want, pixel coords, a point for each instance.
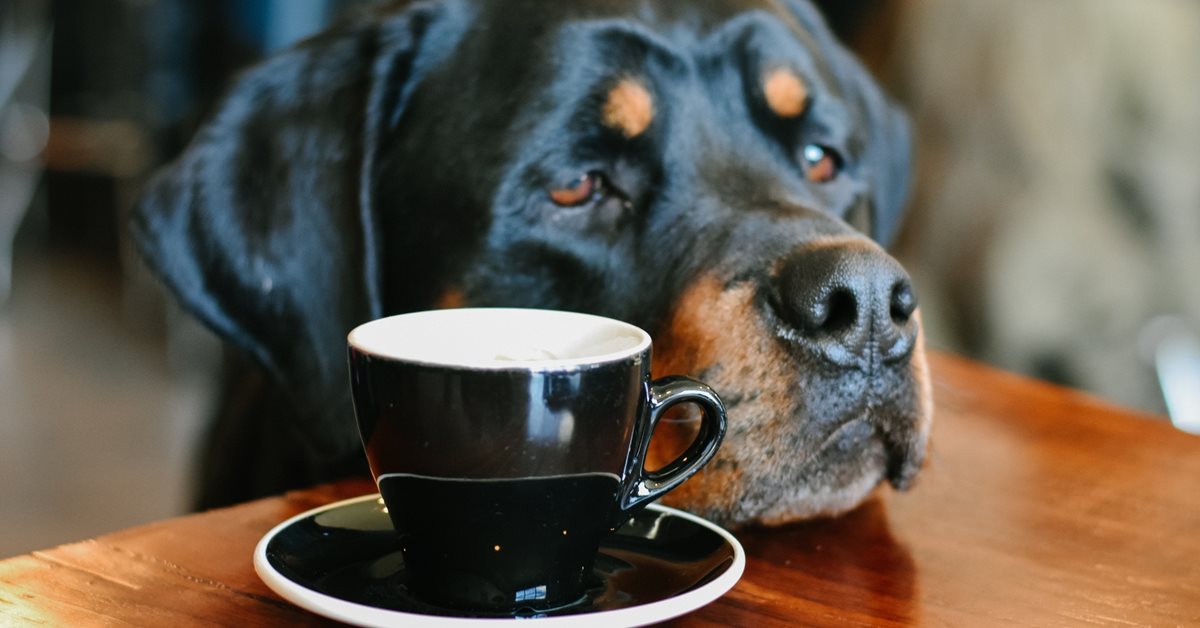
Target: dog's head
{"type": "Point", "coordinates": [710, 171]}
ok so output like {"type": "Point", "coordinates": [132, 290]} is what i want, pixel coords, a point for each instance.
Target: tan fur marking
{"type": "Point", "coordinates": [786, 94]}
{"type": "Point", "coordinates": [451, 298]}
{"type": "Point", "coordinates": [716, 331]}
{"type": "Point", "coordinates": [921, 379]}
{"type": "Point", "coordinates": [629, 108]}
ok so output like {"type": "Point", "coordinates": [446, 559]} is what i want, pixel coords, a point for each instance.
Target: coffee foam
{"type": "Point", "coordinates": [499, 338]}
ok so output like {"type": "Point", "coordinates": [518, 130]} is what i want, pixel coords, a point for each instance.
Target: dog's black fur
{"type": "Point", "coordinates": [402, 161]}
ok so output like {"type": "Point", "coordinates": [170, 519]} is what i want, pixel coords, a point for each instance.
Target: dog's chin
{"type": "Point", "coordinates": [748, 484]}
{"type": "Point", "coordinates": [785, 460]}
{"type": "Point", "coordinates": [848, 466]}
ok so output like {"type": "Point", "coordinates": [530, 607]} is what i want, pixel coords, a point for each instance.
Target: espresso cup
{"type": "Point", "coordinates": [508, 443]}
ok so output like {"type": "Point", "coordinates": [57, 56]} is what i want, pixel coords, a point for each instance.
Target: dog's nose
{"type": "Point", "coordinates": [852, 303]}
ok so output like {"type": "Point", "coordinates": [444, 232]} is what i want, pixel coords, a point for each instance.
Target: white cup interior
{"type": "Point", "coordinates": [494, 338]}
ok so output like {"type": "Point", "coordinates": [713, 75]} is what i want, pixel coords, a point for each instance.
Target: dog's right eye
{"type": "Point", "coordinates": [584, 189]}
{"type": "Point", "coordinates": [821, 163]}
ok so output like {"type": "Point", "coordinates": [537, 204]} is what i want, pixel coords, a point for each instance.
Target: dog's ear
{"type": "Point", "coordinates": [888, 156]}
{"type": "Point", "coordinates": [264, 227]}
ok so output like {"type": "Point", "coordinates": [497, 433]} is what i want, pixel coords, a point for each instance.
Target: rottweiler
{"type": "Point", "coordinates": [718, 172]}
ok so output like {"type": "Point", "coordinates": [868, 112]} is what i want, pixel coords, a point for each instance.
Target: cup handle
{"type": "Point", "coordinates": [644, 486]}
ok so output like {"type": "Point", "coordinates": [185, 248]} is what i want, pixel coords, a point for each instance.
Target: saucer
{"type": "Point", "coordinates": [343, 561]}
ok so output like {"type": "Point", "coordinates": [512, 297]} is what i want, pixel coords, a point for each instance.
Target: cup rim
{"type": "Point", "coordinates": [359, 337]}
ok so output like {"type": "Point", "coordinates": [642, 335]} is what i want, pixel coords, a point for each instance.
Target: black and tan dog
{"type": "Point", "coordinates": [708, 170]}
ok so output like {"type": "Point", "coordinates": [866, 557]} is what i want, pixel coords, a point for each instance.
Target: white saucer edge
{"type": "Point", "coordinates": [359, 615]}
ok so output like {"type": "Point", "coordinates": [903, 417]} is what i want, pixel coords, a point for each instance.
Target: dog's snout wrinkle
{"type": "Point", "coordinates": [853, 305]}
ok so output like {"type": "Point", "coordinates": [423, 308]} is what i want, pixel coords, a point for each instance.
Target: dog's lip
{"type": "Point", "coordinates": [839, 432]}
{"type": "Point", "coordinates": [902, 465]}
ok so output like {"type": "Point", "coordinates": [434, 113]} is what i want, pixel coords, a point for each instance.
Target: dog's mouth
{"type": "Point", "coordinates": [770, 472]}
{"type": "Point", "coordinates": [847, 441]}
{"type": "Point", "coordinates": [904, 458]}
{"type": "Point", "coordinates": [851, 435]}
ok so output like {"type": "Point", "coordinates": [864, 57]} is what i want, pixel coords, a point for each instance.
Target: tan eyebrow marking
{"type": "Point", "coordinates": [629, 108]}
{"type": "Point", "coordinates": [786, 94]}
{"type": "Point", "coordinates": [451, 298]}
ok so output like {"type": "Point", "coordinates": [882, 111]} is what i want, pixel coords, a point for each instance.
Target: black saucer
{"type": "Point", "coordinates": [343, 561]}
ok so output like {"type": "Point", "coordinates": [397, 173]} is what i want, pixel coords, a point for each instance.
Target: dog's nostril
{"type": "Point", "coordinates": [903, 302]}
{"type": "Point", "coordinates": [838, 311]}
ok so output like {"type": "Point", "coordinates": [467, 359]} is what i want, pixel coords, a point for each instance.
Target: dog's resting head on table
{"type": "Point", "coordinates": [712, 171]}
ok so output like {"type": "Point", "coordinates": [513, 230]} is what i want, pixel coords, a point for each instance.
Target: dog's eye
{"type": "Point", "coordinates": [583, 190]}
{"type": "Point", "coordinates": [821, 163]}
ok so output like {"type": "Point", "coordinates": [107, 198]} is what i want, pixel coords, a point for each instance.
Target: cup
{"type": "Point", "coordinates": [507, 443]}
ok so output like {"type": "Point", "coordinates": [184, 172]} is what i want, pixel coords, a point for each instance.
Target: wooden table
{"type": "Point", "coordinates": [1040, 506]}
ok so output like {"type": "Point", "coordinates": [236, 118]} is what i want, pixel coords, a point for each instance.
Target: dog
{"type": "Point", "coordinates": [719, 173]}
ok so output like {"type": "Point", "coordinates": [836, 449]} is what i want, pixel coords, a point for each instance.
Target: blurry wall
{"type": "Point", "coordinates": [1055, 228]}
{"type": "Point", "coordinates": [104, 386]}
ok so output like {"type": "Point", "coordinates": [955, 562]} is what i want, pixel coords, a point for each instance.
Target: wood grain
{"type": "Point", "coordinates": [1040, 506]}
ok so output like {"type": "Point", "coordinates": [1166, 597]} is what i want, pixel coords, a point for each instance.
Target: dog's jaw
{"type": "Point", "coordinates": [803, 441]}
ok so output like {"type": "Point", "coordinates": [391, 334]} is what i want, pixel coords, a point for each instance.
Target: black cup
{"type": "Point", "coordinates": [507, 443]}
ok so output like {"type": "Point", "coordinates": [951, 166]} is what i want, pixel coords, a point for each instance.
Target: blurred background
{"type": "Point", "coordinates": [1054, 228]}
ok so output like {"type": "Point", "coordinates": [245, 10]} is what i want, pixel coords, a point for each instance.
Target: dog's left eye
{"type": "Point", "coordinates": [587, 187]}
{"type": "Point", "coordinates": [821, 163]}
